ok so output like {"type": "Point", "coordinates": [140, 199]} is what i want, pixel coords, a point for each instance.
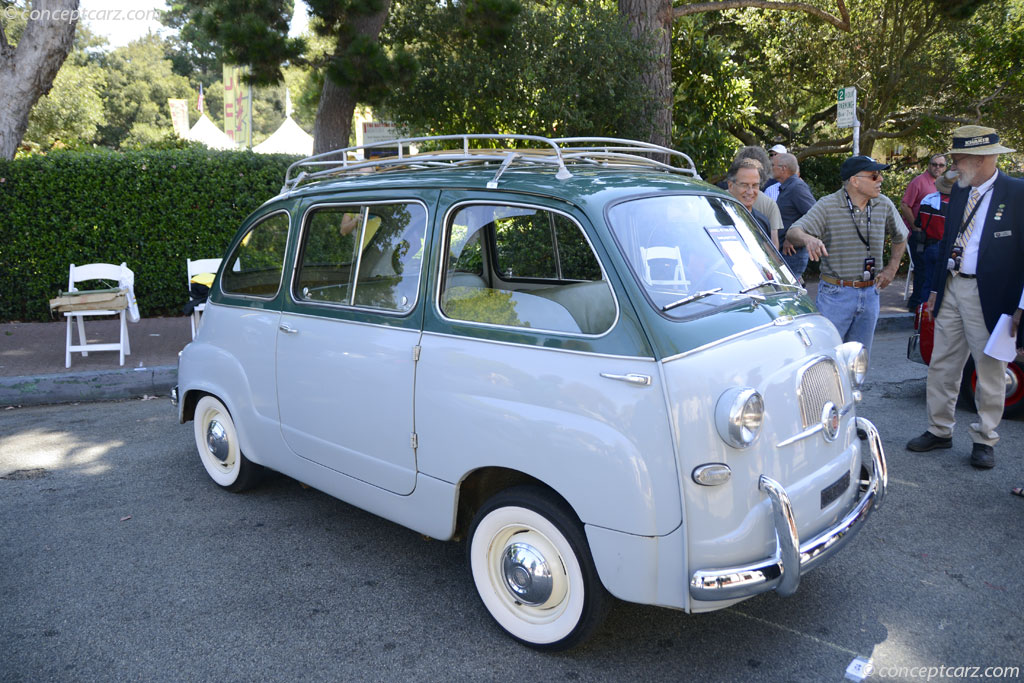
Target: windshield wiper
{"type": "Point", "coordinates": [709, 292]}
{"type": "Point", "coordinates": [772, 282]}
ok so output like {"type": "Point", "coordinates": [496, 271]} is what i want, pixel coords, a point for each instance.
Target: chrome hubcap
{"type": "Point", "coordinates": [1011, 382]}
{"type": "Point", "coordinates": [217, 440]}
{"type": "Point", "coordinates": [526, 574]}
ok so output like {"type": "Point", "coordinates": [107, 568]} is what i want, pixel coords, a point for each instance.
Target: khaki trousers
{"type": "Point", "coordinates": [960, 330]}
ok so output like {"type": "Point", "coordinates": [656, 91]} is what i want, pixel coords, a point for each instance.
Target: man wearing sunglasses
{"type": "Point", "coordinates": [846, 232]}
{"type": "Point", "coordinates": [919, 188]}
{"type": "Point", "coordinates": [979, 278]}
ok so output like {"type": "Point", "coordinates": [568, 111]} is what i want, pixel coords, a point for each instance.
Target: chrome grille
{"type": "Point", "coordinates": [819, 383]}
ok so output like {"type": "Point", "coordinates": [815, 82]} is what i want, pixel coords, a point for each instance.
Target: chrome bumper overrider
{"type": "Point", "coordinates": [782, 571]}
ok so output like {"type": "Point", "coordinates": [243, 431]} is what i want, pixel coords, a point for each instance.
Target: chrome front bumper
{"type": "Point", "coordinates": [782, 571]}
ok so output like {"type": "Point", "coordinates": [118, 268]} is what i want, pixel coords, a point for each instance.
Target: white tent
{"type": "Point", "coordinates": [207, 132]}
{"type": "Point", "coordinates": [288, 139]}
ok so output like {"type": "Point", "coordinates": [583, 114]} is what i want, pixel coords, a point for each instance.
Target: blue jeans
{"type": "Point", "coordinates": [797, 262]}
{"type": "Point", "coordinates": [924, 267]}
{"type": "Point", "coordinates": [854, 311]}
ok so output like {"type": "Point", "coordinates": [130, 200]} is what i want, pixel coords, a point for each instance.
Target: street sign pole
{"type": "Point", "coordinates": [846, 114]}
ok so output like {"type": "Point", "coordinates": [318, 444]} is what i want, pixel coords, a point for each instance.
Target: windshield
{"type": "Point", "coordinates": [693, 252]}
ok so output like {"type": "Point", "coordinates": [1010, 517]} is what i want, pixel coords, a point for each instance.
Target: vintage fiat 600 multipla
{"type": "Point", "coordinates": [572, 353]}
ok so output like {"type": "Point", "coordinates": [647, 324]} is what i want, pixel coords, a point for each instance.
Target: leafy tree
{"type": "Point", "coordinates": [355, 67]}
{"type": "Point", "coordinates": [73, 110]}
{"type": "Point", "coordinates": [555, 69]}
{"type": "Point", "coordinates": [897, 55]}
{"type": "Point", "coordinates": [32, 51]}
{"type": "Point", "coordinates": [139, 82]}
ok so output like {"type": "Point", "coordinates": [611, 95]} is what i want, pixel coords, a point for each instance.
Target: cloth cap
{"type": "Point", "coordinates": [977, 140]}
{"type": "Point", "coordinates": [857, 164]}
{"type": "Point", "coordinates": [778, 149]}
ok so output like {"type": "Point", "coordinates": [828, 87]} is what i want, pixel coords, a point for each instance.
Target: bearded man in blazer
{"type": "Point", "coordinates": [979, 277]}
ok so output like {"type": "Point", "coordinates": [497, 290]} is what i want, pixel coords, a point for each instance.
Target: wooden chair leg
{"type": "Point", "coordinates": [120, 346]}
{"type": "Point", "coordinates": [124, 331]}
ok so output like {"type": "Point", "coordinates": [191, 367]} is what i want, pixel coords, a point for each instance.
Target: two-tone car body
{"type": "Point", "coordinates": [582, 359]}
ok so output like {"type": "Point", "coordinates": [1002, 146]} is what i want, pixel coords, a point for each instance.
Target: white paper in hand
{"type": "Point", "coordinates": [1001, 345]}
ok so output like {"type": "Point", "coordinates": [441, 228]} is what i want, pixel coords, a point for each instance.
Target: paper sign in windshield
{"type": "Point", "coordinates": [734, 249]}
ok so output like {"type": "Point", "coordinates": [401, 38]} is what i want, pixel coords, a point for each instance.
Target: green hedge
{"type": "Point", "coordinates": [151, 209]}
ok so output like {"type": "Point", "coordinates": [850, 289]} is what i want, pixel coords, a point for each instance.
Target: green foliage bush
{"type": "Point", "coordinates": [151, 209]}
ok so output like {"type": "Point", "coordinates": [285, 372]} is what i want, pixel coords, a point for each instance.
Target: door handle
{"type": "Point", "coordinates": [631, 378]}
{"type": "Point", "coordinates": [287, 329]}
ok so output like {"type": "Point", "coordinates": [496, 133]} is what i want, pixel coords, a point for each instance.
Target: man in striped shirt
{"type": "Point", "coordinates": [846, 231]}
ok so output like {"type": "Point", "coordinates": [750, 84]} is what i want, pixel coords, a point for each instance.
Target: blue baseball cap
{"type": "Point", "coordinates": [859, 163]}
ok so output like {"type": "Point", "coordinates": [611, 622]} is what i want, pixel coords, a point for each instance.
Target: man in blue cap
{"type": "Point", "coordinates": [979, 278]}
{"type": "Point", "coordinates": [846, 231]}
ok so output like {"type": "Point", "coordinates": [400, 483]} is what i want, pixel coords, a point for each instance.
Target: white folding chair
{"type": "Point", "coordinates": [96, 271]}
{"type": "Point", "coordinates": [198, 267]}
{"type": "Point", "coordinates": [669, 256]}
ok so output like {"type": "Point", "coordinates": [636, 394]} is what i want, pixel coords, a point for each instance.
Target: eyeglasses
{"type": "Point", "coordinates": [746, 186]}
{"type": "Point", "coordinates": [874, 176]}
{"type": "Point", "coordinates": [937, 165]}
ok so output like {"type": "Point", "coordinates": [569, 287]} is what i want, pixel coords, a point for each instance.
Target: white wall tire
{"type": "Point", "coordinates": [218, 446]}
{"type": "Point", "coordinates": [551, 610]}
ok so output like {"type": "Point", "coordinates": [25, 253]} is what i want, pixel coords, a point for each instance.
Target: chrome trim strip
{"type": "Point", "coordinates": [445, 232]}
{"type": "Point", "coordinates": [810, 431]}
{"type": "Point", "coordinates": [592, 354]}
{"type": "Point", "coordinates": [782, 571]}
{"type": "Point", "coordinates": [781, 320]}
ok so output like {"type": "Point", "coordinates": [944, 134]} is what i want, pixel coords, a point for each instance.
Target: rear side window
{"type": "Point", "coordinates": [362, 255]}
{"type": "Point", "coordinates": [254, 268]}
{"type": "Point", "coordinates": [524, 267]}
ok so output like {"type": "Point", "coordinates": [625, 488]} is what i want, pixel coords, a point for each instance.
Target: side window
{"type": "Point", "coordinates": [254, 268]}
{"type": "Point", "coordinates": [524, 267]}
{"type": "Point", "coordinates": [367, 256]}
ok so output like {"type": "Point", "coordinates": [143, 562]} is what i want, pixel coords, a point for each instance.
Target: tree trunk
{"type": "Point", "coordinates": [333, 125]}
{"type": "Point", "coordinates": [28, 69]}
{"type": "Point", "coordinates": [652, 20]}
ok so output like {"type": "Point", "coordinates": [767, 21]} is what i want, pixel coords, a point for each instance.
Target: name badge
{"type": "Point", "coordinates": [1004, 233]}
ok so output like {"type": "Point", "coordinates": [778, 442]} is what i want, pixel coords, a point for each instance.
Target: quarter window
{"type": "Point", "coordinates": [254, 269]}
{"type": "Point", "coordinates": [363, 255]}
{"type": "Point", "coordinates": [524, 267]}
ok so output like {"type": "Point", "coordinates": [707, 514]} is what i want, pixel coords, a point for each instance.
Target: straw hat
{"type": "Point", "coordinates": [977, 140]}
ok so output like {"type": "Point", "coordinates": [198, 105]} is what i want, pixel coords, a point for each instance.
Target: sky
{"type": "Point", "coordinates": [122, 21]}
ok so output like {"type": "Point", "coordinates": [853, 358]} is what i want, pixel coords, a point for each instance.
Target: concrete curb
{"type": "Point", "coordinates": [101, 385]}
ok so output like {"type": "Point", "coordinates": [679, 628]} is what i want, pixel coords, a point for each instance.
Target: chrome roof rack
{"type": "Point", "coordinates": [559, 153]}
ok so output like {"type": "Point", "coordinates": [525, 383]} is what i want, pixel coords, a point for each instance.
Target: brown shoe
{"type": "Point", "coordinates": [928, 442]}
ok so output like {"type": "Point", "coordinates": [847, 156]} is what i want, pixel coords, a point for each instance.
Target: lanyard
{"type": "Point", "coordinates": [853, 217]}
{"type": "Point", "coordinates": [970, 216]}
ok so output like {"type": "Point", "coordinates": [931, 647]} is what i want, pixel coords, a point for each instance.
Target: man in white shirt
{"type": "Point", "coordinates": [979, 277]}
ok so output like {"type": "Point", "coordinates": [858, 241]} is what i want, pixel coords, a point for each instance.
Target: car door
{"type": "Point", "coordinates": [345, 363]}
{"type": "Point", "coordinates": [530, 363]}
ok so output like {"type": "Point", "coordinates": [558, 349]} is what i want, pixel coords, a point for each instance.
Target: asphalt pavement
{"type": "Point", "coordinates": [32, 368]}
{"type": "Point", "coordinates": [121, 561]}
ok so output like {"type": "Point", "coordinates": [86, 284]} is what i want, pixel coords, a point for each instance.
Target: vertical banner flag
{"type": "Point", "coordinates": [237, 112]}
{"type": "Point", "coordinates": [179, 116]}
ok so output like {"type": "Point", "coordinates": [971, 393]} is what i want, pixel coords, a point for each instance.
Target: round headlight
{"type": "Point", "coordinates": [855, 357]}
{"type": "Point", "coordinates": [739, 416]}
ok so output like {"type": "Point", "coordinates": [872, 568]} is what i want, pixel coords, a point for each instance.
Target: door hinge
{"type": "Point", "coordinates": [414, 440]}
{"type": "Point", "coordinates": [416, 352]}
